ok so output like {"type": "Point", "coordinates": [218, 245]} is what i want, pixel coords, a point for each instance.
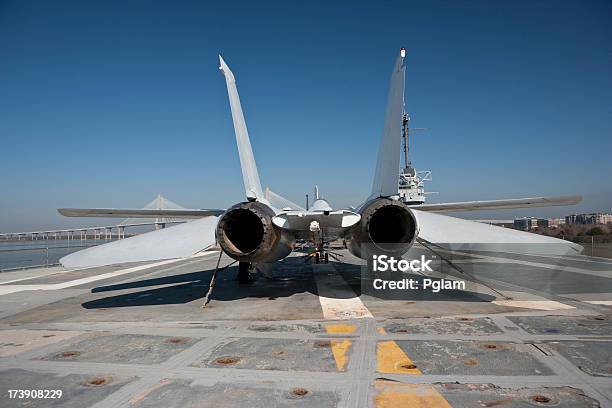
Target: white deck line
{"type": "Point", "coordinates": [534, 304]}
{"type": "Point", "coordinates": [599, 302]}
{"type": "Point", "coordinates": [338, 300]}
{"type": "Point", "coordinates": [560, 268]}
{"type": "Point", "coordinates": [6, 289]}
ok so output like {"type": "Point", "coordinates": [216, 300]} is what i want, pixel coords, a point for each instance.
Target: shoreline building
{"type": "Point", "coordinates": [530, 223]}
{"type": "Point", "coordinates": [555, 222]}
{"type": "Point", "coordinates": [587, 219]}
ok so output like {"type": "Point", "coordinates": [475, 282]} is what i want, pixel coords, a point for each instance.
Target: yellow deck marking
{"type": "Point", "coordinates": [394, 394]}
{"type": "Point", "coordinates": [340, 328]}
{"type": "Point", "coordinates": [392, 359]}
{"type": "Point", "coordinates": [340, 348]}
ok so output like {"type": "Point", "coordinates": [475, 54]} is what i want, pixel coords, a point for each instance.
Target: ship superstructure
{"type": "Point", "coordinates": [411, 186]}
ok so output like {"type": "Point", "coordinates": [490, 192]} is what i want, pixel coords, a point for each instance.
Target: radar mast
{"type": "Point", "coordinates": [411, 186]}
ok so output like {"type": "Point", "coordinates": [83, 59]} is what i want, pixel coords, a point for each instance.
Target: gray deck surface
{"type": "Point", "coordinates": [141, 339]}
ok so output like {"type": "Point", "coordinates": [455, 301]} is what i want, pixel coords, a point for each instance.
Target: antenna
{"type": "Point", "coordinates": [406, 138]}
{"type": "Point", "coordinates": [411, 187]}
{"type": "Point", "coordinates": [408, 169]}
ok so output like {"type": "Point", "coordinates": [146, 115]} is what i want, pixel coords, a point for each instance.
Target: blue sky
{"type": "Point", "coordinates": [110, 103]}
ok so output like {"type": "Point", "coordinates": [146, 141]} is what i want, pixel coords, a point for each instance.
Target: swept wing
{"type": "Point", "coordinates": [179, 241]}
{"type": "Point", "coordinates": [137, 213]}
{"type": "Point", "coordinates": [463, 235]}
{"type": "Point", "coordinates": [499, 204]}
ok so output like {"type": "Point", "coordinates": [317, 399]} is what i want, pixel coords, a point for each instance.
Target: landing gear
{"type": "Point", "coordinates": [321, 256]}
{"type": "Point", "coordinates": [320, 253]}
{"type": "Point", "coordinates": [244, 275]}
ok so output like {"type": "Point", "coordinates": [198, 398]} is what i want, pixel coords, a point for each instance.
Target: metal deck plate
{"type": "Point", "coordinates": [308, 329]}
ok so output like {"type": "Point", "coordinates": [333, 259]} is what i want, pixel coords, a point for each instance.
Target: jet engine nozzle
{"type": "Point", "coordinates": [386, 225]}
{"type": "Point", "coordinates": [245, 232]}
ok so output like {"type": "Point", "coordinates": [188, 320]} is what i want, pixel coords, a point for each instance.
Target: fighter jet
{"type": "Point", "coordinates": [264, 227]}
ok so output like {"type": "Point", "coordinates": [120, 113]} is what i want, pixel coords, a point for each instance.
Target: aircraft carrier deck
{"type": "Point", "coordinates": [136, 336]}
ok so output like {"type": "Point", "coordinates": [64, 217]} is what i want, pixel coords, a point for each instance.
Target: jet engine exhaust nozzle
{"type": "Point", "coordinates": [246, 233]}
{"type": "Point", "coordinates": [388, 225]}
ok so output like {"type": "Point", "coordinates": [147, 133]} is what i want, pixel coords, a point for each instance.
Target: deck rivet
{"type": "Point", "coordinates": [299, 392]}
{"type": "Point", "coordinates": [97, 381]}
{"type": "Point", "coordinates": [409, 366]}
{"type": "Point", "coordinates": [540, 398]}
{"type": "Point", "coordinates": [69, 353]}
{"type": "Point", "coordinates": [227, 360]}
{"type": "Point", "coordinates": [176, 340]}
{"type": "Point", "coordinates": [490, 346]}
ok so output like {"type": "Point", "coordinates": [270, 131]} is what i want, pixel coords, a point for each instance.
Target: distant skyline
{"type": "Point", "coordinates": [107, 104]}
